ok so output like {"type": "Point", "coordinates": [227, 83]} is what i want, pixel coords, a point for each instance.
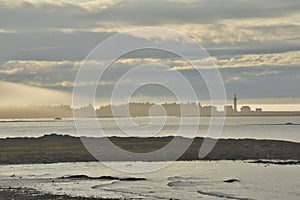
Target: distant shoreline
{"type": "Point", "coordinates": [135, 110]}
{"type": "Point", "coordinates": [57, 148]}
{"type": "Point", "coordinates": [49, 119]}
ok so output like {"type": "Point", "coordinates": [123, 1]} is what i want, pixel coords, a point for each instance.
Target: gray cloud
{"type": "Point", "coordinates": [65, 30]}
{"type": "Point", "coordinates": [26, 15]}
{"type": "Point", "coordinates": [262, 79]}
{"type": "Point", "coordinates": [43, 45]}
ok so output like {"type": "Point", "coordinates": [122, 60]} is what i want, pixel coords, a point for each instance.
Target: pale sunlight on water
{"type": "Point", "coordinates": [235, 127]}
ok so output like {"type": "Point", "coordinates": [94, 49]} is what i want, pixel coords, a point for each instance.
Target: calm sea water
{"type": "Point", "coordinates": [235, 127]}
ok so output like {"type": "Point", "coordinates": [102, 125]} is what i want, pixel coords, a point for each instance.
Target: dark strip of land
{"type": "Point", "coordinates": [30, 194]}
{"type": "Point", "coordinates": [58, 148]}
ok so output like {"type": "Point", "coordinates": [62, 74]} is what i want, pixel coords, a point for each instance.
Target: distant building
{"type": "Point", "coordinates": [208, 110]}
{"type": "Point", "coordinates": [245, 109]}
{"type": "Point", "coordinates": [258, 110]}
{"type": "Point", "coordinates": [229, 110]}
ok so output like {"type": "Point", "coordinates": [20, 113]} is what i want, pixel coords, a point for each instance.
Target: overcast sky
{"type": "Point", "coordinates": [256, 45]}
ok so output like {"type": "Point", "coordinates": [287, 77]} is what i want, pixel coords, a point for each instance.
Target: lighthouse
{"type": "Point", "coordinates": [235, 103]}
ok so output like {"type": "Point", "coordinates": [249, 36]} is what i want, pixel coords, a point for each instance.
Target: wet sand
{"type": "Point", "coordinates": [57, 148]}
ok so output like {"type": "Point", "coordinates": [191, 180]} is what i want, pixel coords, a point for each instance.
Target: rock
{"type": "Point", "coordinates": [288, 162]}
{"type": "Point", "coordinates": [84, 177]}
{"type": "Point", "coordinates": [231, 180]}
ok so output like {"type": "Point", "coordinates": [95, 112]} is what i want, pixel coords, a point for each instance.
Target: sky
{"type": "Point", "coordinates": [256, 45]}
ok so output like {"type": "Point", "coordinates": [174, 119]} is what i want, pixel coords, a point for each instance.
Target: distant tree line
{"type": "Point", "coordinates": [124, 110]}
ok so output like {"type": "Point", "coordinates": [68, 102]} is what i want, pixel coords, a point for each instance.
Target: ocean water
{"type": "Point", "coordinates": [180, 180]}
{"type": "Point", "coordinates": [235, 127]}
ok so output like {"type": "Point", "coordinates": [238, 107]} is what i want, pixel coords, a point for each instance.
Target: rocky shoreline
{"type": "Point", "coordinates": [31, 194]}
{"type": "Point", "coordinates": [58, 148]}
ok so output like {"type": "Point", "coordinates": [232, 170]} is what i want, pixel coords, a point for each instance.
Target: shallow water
{"type": "Point", "coordinates": [235, 127]}
{"type": "Point", "coordinates": [182, 180]}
